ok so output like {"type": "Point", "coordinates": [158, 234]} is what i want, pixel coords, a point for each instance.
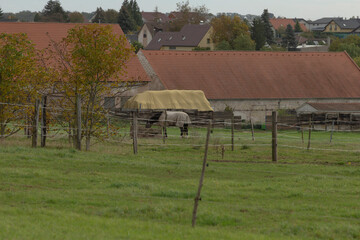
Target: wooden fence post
{"type": "Point", "coordinates": [252, 129]}
{"type": "Point", "coordinates": [309, 140]}
{"type": "Point", "coordinates": [197, 198]}
{"type": "Point", "coordinates": [274, 136]}
{"type": "Point", "coordinates": [332, 130]}
{"type": "Point", "coordinates": [135, 132]}
{"type": "Point", "coordinates": [164, 128]}
{"type": "Point", "coordinates": [302, 134]}
{"type": "Point", "coordinates": [35, 123]}
{"type": "Point", "coordinates": [78, 121]}
{"type": "Point", "coordinates": [232, 132]}
{"type": "Point", "coordinates": [43, 121]}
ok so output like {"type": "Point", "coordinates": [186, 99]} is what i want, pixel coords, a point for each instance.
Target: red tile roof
{"type": "Point", "coordinates": [152, 16]}
{"type": "Point", "coordinates": [283, 22]}
{"type": "Point", "coordinates": [40, 34]}
{"type": "Point", "coordinates": [258, 75]}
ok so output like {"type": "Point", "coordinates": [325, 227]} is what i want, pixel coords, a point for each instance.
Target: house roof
{"type": "Point", "coordinates": [153, 16]}
{"type": "Point", "coordinates": [258, 75]}
{"type": "Point", "coordinates": [330, 107]}
{"type": "Point", "coordinates": [283, 22]}
{"type": "Point", "coordinates": [325, 20]}
{"type": "Point", "coordinates": [347, 24]}
{"type": "Point", "coordinates": [189, 36]}
{"type": "Point", "coordinates": [41, 33]}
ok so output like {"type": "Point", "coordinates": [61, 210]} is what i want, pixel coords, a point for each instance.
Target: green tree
{"type": "Point", "coordinates": [351, 45]}
{"type": "Point", "coordinates": [53, 12]}
{"type": "Point", "coordinates": [269, 33]}
{"type": "Point", "coordinates": [76, 17]}
{"type": "Point", "coordinates": [357, 61]}
{"type": "Point", "coordinates": [227, 29]}
{"type": "Point", "coordinates": [297, 27]}
{"type": "Point", "coordinates": [91, 62]}
{"type": "Point", "coordinates": [125, 20]}
{"type": "Point", "coordinates": [223, 46]}
{"type": "Point", "coordinates": [111, 16]}
{"type": "Point", "coordinates": [1, 13]}
{"type": "Point", "coordinates": [99, 16]}
{"type": "Point", "coordinates": [137, 46]}
{"type": "Point", "coordinates": [135, 13]}
{"type": "Point", "coordinates": [258, 33]}
{"type": "Point", "coordinates": [288, 40]}
{"type": "Point", "coordinates": [244, 42]}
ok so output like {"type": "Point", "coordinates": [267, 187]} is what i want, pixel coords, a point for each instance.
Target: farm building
{"type": "Point", "coordinates": [255, 83]}
{"type": "Point", "coordinates": [42, 33]}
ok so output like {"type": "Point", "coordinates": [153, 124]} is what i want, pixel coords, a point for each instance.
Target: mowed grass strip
{"type": "Point", "coordinates": [109, 193]}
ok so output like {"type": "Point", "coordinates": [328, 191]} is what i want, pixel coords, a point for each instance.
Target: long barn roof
{"type": "Point", "coordinates": [41, 33]}
{"type": "Point", "coordinates": [258, 75]}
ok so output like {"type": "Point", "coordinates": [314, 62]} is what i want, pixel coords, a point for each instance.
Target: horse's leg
{"type": "Point", "coordinates": [186, 130]}
{"type": "Point", "coordinates": [181, 131]}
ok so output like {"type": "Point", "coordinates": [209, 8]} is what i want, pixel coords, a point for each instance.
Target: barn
{"type": "Point", "coordinates": [255, 83]}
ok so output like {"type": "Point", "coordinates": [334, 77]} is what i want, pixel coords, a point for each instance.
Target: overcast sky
{"type": "Point", "coordinates": [308, 9]}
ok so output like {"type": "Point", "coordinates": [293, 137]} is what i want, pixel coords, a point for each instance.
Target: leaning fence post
{"type": "Point", "coordinates": [164, 127]}
{"type": "Point", "coordinates": [35, 123]}
{"type": "Point", "coordinates": [274, 136]}
{"type": "Point", "coordinates": [197, 198]}
{"type": "Point", "coordinates": [43, 121]}
{"type": "Point", "coordinates": [135, 132]}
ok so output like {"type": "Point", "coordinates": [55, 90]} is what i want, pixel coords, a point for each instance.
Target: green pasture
{"type": "Point", "coordinates": [110, 193]}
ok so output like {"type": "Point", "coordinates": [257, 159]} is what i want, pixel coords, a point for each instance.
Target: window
{"type": "Point", "coordinates": [330, 27]}
{"type": "Point", "coordinates": [208, 41]}
{"type": "Point", "coordinates": [335, 27]}
{"type": "Point", "coordinates": [144, 36]}
{"type": "Point", "coordinates": [172, 47]}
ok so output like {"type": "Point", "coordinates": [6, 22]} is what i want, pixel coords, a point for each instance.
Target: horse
{"type": "Point", "coordinates": [179, 119]}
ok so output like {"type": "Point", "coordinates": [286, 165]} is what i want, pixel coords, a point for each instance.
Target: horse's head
{"type": "Point", "coordinates": [152, 120]}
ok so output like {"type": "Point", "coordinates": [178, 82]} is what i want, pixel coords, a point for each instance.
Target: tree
{"type": "Point", "coordinates": [244, 42]}
{"type": "Point", "coordinates": [21, 79]}
{"type": "Point", "coordinates": [125, 20]}
{"type": "Point", "coordinates": [269, 33]}
{"type": "Point", "coordinates": [288, 40]}
{"type": "Point", "coordinates": [1, 13]}
{"type": "Point", "coordinates": [185, 14]}
{"type": "Point", "coordinates": [111, 16]}
{"type": "Point", "coordinates": [258, 33]}
{"type": "Point", "coordinates": [228, 29]}
{"type": "Point", "coordinates": [135, 13]}
{"type": "Point", "coordinates": [90, 62]}
{"type": "Point", "coordinates": [137, 46]}
{"type": "Point", "coordinates": [351, 45]}
{"type": "Point", "coordinates": [99, 16]}
{"type": "Point", "coordinates": [223, 46]}
{"type": "Point", "coordinates": [297, 27]}
{"type": "Point", "coordinates": [53, 12]}
{"type": "Point", "coordinates": [76, 17]}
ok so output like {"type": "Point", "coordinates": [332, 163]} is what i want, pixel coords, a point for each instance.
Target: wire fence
{"type": "Point", "coordinates": [230, 140]}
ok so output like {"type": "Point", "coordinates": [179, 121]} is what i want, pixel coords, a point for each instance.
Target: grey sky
{"type": "Point", "coordinates": [308, 9]}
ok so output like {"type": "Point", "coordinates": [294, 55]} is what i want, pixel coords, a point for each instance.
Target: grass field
{"type": "Point", "coordinates": [109, 193]}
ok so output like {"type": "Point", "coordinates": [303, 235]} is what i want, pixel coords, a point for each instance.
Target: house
{"type": "Point", "coordinates": [190, 37]}
{"type": "Point", "coordinates": [154, 17]}
{"type": "Point", "coordinates": [280, 24]}
{"type": "Point", "coordinates": [149, 30]}
{"type": "Point", "coordinates": [341, 26]}
{"type": "Point", "coordinates": [255, 83]}
{"type": "Point", "coordinates": [320, 24]}
{"type": "Point", "coordinates": [42, 33]}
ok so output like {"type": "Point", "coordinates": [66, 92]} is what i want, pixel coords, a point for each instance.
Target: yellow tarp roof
{"type": "Point", "coordinates": [169, 99]}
